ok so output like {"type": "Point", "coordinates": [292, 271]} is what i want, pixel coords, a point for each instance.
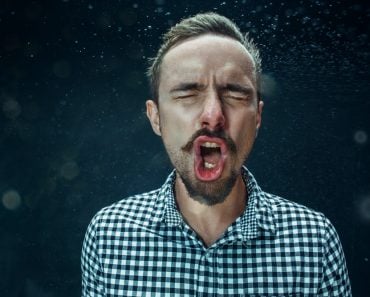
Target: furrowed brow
{"type": "Point", "coordinates": [186, 87]}
{"type": "Point", "coordinates": [238, 88]}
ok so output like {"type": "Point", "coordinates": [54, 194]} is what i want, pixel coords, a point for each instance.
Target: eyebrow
{"type": "Point", "coordinates": [228, 87]}
{"type": "Point", "coordinates": [237, 88]}
{"type": "Point", "coordinates": [186, 87]}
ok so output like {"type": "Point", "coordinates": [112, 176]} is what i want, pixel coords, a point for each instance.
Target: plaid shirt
{"type": "Point", "coordinates": [141, 246]}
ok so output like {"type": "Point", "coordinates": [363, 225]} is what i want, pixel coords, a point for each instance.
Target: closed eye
{"type": "Point", "coordinates": [237, 92]}
{"type": "Point", "coordinates": [237, 96]}
{"type": "Point", "coordinates": [186, 90]}
{"type": "Point", "coordinates": [184, 96]}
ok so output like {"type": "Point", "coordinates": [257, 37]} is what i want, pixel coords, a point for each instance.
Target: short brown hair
{"type": "Point", "coordinates": [197, 25]}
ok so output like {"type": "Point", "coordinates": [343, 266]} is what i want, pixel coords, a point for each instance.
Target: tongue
{"type": "Point", "coordinates": [213, 157]}
{"type": "Point", "coordinates": [209, 174]}
{"type": "Point", "coordinates": [209, 162]}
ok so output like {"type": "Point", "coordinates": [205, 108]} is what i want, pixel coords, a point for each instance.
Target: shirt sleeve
{"type": "Point", "coordinates": [92, 277]}
{"type": "Point", "coordinates": [335, 280]}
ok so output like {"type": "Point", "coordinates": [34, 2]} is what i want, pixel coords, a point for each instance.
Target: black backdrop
{"type": "Point", "coordinates": [74, 137]}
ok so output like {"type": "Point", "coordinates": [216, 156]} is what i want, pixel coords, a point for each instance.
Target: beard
{"type": "Point", "coordinates": [211, 192]}
{"type": "Point", "coordinates": [208, 193]}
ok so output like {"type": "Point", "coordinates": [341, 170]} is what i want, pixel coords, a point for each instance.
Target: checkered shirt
{"type": "Point", "coordinates": [141, 246]}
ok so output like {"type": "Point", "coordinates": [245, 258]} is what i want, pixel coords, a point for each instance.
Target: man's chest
{"type": "Point", "coordinates": [150, 265]}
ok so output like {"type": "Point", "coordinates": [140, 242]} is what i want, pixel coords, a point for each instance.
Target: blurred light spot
{"type": "Point", "coordinates": [31, 49]}
{"type": "Point", "coordinates": [159, 2]}
{"type": "Point", "coordinates": [11, 199]}
{"type": "Point", "coordinates": [360, 137]}
{"type": "Point", "coordinates": [11, 109]}
{"type": "Point", "coordinates": [69, 170]}
{"type": "Point", "coordinates": [268, 85]}
{"type": "Point", "coordinates": [62, 69]}
{"type": "Point", "coordinates": [364, 208]}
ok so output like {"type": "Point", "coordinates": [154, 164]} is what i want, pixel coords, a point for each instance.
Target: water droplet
{"type": "Point", "coordinates": [268, 85]}
{"type": "Point", "coordinates": [11, 200]}
{"type": "Point", "coordinates": [364, 208]}
{"type": "Point", "coordinates": [360, 137]}
{"type": "Point", "coordinates": [69, 170]}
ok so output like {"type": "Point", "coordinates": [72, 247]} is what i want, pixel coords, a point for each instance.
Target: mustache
{"type": "Point", "coordinates": [205, 132]}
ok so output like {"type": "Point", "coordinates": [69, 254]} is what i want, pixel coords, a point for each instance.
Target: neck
{"type": "Point", "coordinates": [210, 222]}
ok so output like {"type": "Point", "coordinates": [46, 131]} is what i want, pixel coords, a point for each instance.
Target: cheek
{"type": "Point", "coordinates": [245, 129]}
{"type": "Point", "coordinates": [172, 128]}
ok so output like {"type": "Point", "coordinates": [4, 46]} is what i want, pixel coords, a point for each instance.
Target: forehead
{"type": "Point", "coordinates": [194, 58]}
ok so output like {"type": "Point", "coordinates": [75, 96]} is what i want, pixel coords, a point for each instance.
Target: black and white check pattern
{"type": "Point", "coordinates": [141, 246]}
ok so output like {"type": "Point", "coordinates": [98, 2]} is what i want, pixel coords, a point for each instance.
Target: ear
{"type": "Point", "coordinates": [259, 114]}
{"type": "Point", "coordinates": [153, 116]}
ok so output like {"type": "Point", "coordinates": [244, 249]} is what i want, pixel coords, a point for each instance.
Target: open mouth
{"type": "Point", "coordinates": [210, 155]}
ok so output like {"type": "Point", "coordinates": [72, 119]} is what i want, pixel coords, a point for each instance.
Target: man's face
{"type": "Point", "coordinates": [208, 113]}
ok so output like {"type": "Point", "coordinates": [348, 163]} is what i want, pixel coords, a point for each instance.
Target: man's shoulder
{"type": "Point", "coordinates": [281, 211]}
{"type": "Point", "coordinates": [291, 214]}
{"type": "Point", "coordinates": [136, 209]}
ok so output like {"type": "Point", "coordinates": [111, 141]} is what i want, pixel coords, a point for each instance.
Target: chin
{"type": "Point", "coordinates": [209, 193]}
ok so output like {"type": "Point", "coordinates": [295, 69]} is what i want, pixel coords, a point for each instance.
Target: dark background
{"type": "Point", "coordinates": [74, 136]}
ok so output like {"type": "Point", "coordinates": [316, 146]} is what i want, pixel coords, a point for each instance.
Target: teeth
{"type": "Point", "coordinates": [210, 144]}
{"type": "Point", "coordinates": [209, 165]}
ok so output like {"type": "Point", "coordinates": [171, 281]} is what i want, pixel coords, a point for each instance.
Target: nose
{"type": "Point", "coordinates": [212, 116]}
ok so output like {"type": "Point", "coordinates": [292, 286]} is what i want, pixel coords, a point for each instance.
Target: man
{"type": "Point", "coordinates": [209, 230]}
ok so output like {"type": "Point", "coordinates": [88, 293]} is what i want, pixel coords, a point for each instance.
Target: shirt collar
{"type": "Point", "coordinates": [165, 209]}
{"type": "Point", "coordinates": [257, 219]}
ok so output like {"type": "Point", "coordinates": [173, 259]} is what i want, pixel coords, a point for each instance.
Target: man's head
{"type": "Point", "coordinates": [207, 109]}
{"type": "Point", "coordinates": [200, 24]}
